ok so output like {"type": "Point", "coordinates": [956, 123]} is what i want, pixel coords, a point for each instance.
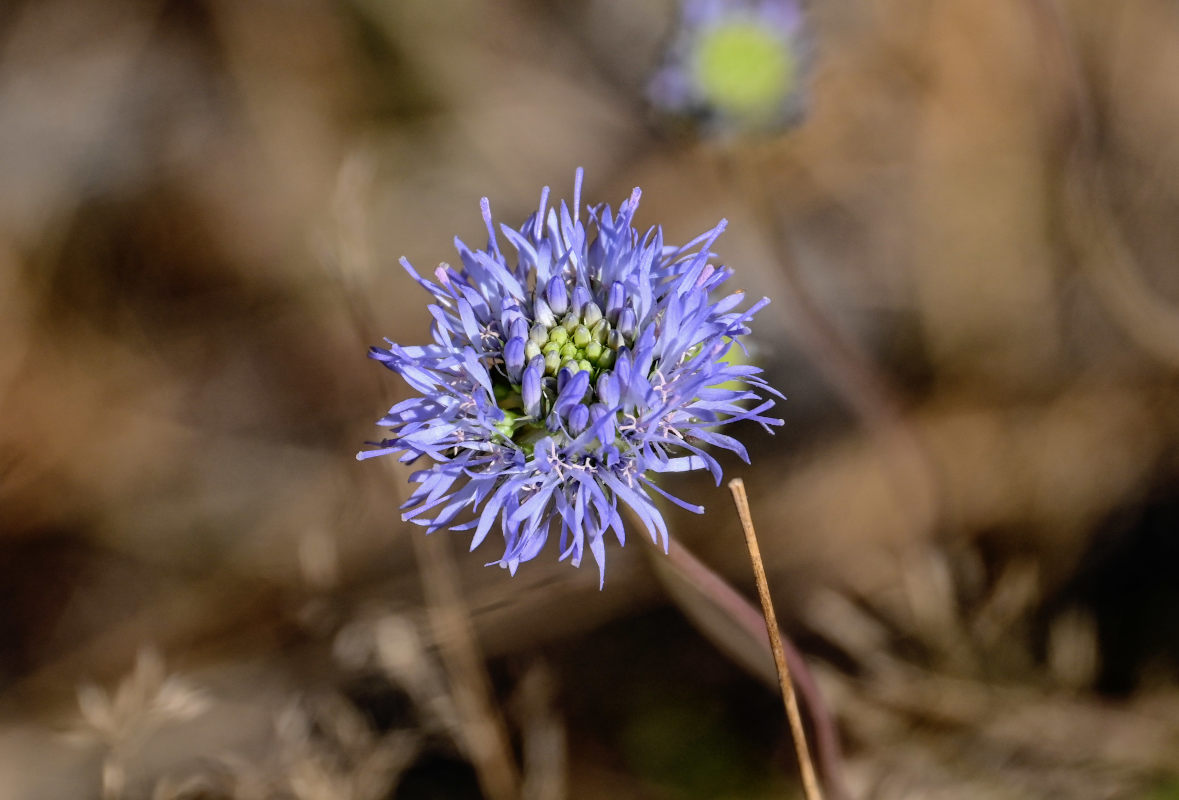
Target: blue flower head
{"type": "Point", "coordinates": [734, 63]}
{"type": "Point", "coordinates": [560, 377]}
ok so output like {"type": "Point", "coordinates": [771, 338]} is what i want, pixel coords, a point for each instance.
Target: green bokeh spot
{"type": "Point", "coordinates": [744, 69]}
{"type": "Point", "coordinates": [1167, 790]}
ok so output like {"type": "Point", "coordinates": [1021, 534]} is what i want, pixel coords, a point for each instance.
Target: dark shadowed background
{"type": "Point", "coordinates": [970, 518]}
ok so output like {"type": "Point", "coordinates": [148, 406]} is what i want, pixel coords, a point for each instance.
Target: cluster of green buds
{"type": "Point", "coordinates": [570, 331]}
{"type": "Point", "coordinates": [567, 334]}
{"type": "Point", "coordinates": [585, 341]}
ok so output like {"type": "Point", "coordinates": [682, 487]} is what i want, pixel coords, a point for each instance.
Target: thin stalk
{"type": "Point", "coordinates": [484, 730]}
{"type": "Point", "coordinates": [810, 784]}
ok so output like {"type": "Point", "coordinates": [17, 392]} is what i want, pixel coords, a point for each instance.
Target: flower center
{"type": "Point", "coordinates": [744, 68]}
{"type": "Point", "coordinates": [568, 333]}
{"type": "Point", "coordinates": [585, 341]}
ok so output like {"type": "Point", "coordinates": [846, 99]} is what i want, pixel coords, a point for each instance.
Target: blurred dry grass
{"type": "Point", "coordinates": [970, 519]}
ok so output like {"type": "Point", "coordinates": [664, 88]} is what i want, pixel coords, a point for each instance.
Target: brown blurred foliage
{"type": "Point", "coordinates": [970, 518]}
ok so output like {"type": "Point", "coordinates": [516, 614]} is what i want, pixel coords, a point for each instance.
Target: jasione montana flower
{"type": "Point", "coordinates": [560, 377]}
{"type": "Point", "coordinates": [735, 64]}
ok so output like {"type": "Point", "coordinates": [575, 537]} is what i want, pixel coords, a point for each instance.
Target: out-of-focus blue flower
{"type": "Point", "coordinates": [560, 377]}
{"type": "Point", "coordinates": [734, 63]}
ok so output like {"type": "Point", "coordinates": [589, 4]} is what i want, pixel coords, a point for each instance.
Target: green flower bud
{"type": "Point", "coordinates": [600, 331]}
{"type": "Point", "coordinates": [581, 336]}
{"type": "Point", "coordinates": [552, 362]}
{"type": "Point", "coordinates": [507, 425]}
{"type": "Point", "coordinates": [591, 314]}
{"type": "Point", "coordinates": [559, 335]}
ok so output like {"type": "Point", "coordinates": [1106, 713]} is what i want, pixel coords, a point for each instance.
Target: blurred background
{"type": "Point", "coordinates": [967, 228]}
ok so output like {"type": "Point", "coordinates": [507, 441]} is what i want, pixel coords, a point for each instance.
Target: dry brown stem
{"type": "Point", "coordinates": [809, 782]}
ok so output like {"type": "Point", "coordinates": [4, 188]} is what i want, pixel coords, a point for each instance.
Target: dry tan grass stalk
{"type": "Point", "coordinates": [485, 736]}
{"type": "Point", "coordinates": [484, 731]}
{"type": "Point", "coordinates": [809, 782]}
{"type": "Point", "coordinates": [545, 746]}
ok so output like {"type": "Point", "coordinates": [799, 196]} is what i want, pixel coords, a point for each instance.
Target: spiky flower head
{"type": "Point", "coordinates": [734, 63]}
{"type": "Point", "coordinates": [561, 377]}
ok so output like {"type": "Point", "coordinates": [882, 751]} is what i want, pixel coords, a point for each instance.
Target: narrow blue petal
{"type": "Point", "coordinates": [557, 295]}
{"type": "Point", "coordinates": [695, 509]}
{"type": "Point", "coordinates": [514, 357]}
{"type": "Point", "coordinates": [530, 388]}
{"type": "Point", "coordinates": [572, 393]}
